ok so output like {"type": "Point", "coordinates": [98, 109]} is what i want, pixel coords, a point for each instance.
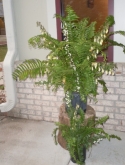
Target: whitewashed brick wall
{"type": "Point", "coordinates": [35, 102]}
{"type": "Point", "coordinates": [40, 104]}
{"type": "Point", "coordinates": [113, 103]}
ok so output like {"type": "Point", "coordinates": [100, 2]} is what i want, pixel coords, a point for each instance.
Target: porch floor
{"type": "Point", "coordinates": [28, 142]}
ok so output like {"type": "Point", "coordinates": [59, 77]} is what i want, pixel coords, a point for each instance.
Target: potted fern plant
{"type": "Point", "coordinates": [71, 64]}
{"type": "Point", "coordinates": [81, 134]}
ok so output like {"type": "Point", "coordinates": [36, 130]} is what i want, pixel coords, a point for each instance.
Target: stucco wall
{"type": "Point", "coordinates": [27, 13]}
{"type": "Point", "coordinates": [119, 13]}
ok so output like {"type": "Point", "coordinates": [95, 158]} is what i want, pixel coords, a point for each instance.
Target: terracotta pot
{"type": "Point", "coordinates": [64, 119]}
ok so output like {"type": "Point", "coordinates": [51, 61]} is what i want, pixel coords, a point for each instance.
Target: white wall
{"type": "Point", "coordinates": [51, 11]}
{"type": "Point", "coordinates": [119, 14]}
{"type": "Point", "coordinates": [27, 13]}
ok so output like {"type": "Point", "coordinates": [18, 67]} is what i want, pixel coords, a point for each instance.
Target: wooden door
{"type": "Point", "coordinates": [96, 10]}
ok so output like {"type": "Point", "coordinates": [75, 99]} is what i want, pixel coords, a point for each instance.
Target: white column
{"type": "Point", "coordinates": [8, 63]}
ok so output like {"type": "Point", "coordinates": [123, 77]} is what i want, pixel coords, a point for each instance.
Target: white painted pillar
{"type": "Point", "coordinates": [11, 55]}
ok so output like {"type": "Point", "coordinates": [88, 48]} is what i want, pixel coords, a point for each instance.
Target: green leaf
{"type": "Point", "coordinates": [103, 83]}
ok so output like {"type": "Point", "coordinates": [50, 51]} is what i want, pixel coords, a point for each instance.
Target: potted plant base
{"type": "Point", "coordinates": [83, 154]}
{"type": "Point", "coordinates": [64, 119]}
{"type": "Point", "coordinates": [78, 131]}
{"type": "Point", "coordinates": [76, 100]}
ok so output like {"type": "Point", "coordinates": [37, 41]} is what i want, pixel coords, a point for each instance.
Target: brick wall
{"type": "Point", "coordinates": [40, 104]}
{"type": "Point", "coordinates": [35, 102]}
{"type": "Point", "coordinates": [113, 103]}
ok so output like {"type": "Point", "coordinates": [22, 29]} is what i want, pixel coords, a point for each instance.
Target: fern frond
{"type": "Point", "coordinates": [30, 69]}
{"type": "Point", "coordinates": [71, 15]}
{"type": "Point", "coordinates": [110, 20]}
{"type": "Point", "coordinates": [54, 134]}
{"type": "Point", "coordinates": [117, 32]}
{"type": "Point", "coordinates": [115, 43]}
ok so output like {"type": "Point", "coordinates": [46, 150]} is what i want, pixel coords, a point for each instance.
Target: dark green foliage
{"type": "Point", "coordinates": [3, 51]}
{"type": "Point", "coordinates": [71, 63]}
{"type": "Point", "coordinates": [30, 69]}
{"type": "Point", "coordinates": [81, 132]}
{"type": "Point", "coordinates": [1, 87]}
